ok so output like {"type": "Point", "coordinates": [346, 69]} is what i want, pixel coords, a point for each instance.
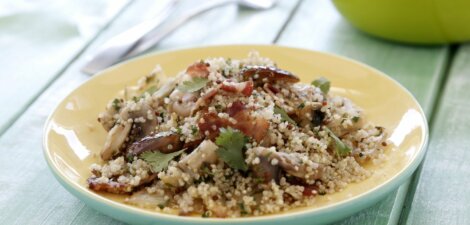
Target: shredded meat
{"type": "Point", "coordinates": [254, 127]}
{"type": "Point", "coordinates": [198, 69]}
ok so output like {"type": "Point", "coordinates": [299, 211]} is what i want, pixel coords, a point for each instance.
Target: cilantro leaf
{"type": "Point", "coordinates": [116, 104]}
{"type": "Point", "coordinates": [284, 116]}
{"type": "Point", "coordinates": [355, 119]}
{"type": "Point", "coordinates": [194, 130]}
{"type": "Point", "coordinates": [231, 143]}
{"type": "Point", "coordinates": [323, 84]}
{"type": "Point", "coordinates": [159, 161]}
{"type": "Point", "coordinates": [193, 85]}
{"type": "Point", "coordinates": [341, 149]}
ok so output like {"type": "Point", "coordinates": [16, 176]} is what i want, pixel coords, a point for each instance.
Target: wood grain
{"type": "Point", "coordinates": [442, 195]}
{"type": "Point", "coordinates": [318, 26]}
{"type": "Point", "coordinates": [33, 196]}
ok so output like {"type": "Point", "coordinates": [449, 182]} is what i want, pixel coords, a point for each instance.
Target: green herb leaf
{"type": "Point", "coordinates": [355, 119]}
{"type": "Point", "coordinates": [136, 99]}
{"type": "Point", "coordinates": [341, 149]}
{"type": "Point", "coordinates": [159, 161]}
{"type": "Point", "coordinates": [218, 107]}
{"type": "Point", "coordinates": [323, 84]}
{"type": "Point", "coordinates": [193, 85]}
{"type": "Point", "coordinates": [284, 116]}
{"type": "Point", "coordinates": [231, 143]}
{"type": "Point", "coordinates": [194, 130]}
{"type": "Point", "coordinates": [116, 104]}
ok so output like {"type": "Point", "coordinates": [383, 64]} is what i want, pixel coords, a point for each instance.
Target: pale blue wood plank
{"type": "Point", "coordinates": [34, 197]}
{"type": "Point", "coordinates": [38, 39]}
{"type": "Point", "coordinates": [442, 195]}
{"type": "Point", "coordinates": [318, 26]}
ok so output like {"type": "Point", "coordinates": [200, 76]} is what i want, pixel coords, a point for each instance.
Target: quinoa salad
{"type": "Point", "coordinates": [232, 138]}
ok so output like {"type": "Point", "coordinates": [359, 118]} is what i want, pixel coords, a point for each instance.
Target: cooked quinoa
{"type": "Point", "coordinates": [232, 138]}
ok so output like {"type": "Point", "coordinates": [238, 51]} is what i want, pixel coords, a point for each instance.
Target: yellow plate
{"type": "Point", "coordinates": [73, 137]}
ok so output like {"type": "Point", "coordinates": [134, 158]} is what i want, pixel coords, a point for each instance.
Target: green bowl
{"type": "Point", "coordinates": [410, 21]}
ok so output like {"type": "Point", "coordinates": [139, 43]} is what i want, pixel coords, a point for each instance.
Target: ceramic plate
{"type": "Point", "coordinates": [73, 137]}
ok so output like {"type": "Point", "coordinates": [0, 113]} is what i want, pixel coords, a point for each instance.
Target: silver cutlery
{"type": "Point", "coordinates": [143, 36]}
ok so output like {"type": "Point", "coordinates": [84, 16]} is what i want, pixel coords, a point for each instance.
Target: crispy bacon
{"type": "Point", "coordinates": [209, 95]}
{"type": "Point", "coordinates": [244, 88]}
{"type": "Point", "coordinates": [254, 127]}
{"type": "Point", "coordinates": [310, 190]}
{"type": "Point", "coordinates": [204, 100]}
{"type": "Point", "coordinates": [248, 90]}
{"type": "Point", "coordinates": [235, 108]}
{"type": "Point", "coordinates": [210, 125]}
{"type": "Point", "coordinates": [228, 88]}
{"type": "Point", "coordinates": [198, 69]}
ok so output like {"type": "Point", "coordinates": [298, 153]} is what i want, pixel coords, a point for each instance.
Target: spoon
{"type": "Point", "coordinates": [143, 36]}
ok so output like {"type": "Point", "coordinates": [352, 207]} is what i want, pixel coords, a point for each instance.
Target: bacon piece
{"type": "Point", "coordinates": [211, 124]}
{"type": "Point", "coordinates": [244, 88]}
{"type": "Point", "coordinates": [228, 88]}
{"type": "Point", "coordinates": [310, 190]}
{"type": "Point", "coordinates": [204, 100]}
{"type": "Point", "coordinates": [248, 90]}
{"type": "Point", "coordinates": [209, 95]}
{"type": "Point", "coordinates": [254, 127]}
{"type": "Point", "coordinates": [198, 69]}
{"type": "Point", "coordinates": [235, 108]}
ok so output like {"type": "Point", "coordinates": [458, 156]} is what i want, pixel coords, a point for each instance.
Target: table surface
{"type": "Point", "coordinates": [43, 49]}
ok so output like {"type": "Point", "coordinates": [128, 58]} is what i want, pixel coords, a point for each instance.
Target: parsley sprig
{"type": "Point", "coordinates": [193, 85]}
{"type": "Point", "coordinates": [323, 84]}
{"type": "Point", "coordinates": [284, 116]}
{"type": "Point", "coordinates": [157, 160]}
{"type": "Point", "coordinates": [340, 147]}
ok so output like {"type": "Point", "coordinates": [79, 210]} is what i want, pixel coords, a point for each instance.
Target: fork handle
{"type": "Point", "coordinates": [156, 35]}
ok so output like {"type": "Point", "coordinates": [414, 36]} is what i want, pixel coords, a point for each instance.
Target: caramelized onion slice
{"type": "Point", "coordinates": [268, 74]}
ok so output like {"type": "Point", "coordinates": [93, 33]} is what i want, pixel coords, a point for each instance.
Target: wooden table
{"type": "Point", "coordinates": [43, 49]}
